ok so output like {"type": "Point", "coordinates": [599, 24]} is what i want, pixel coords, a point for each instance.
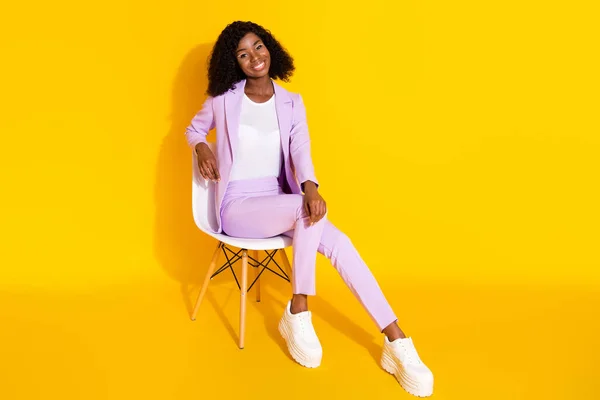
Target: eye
{"type": "Point", "coordinates": [259, 46]}
{"type": "Point", "coordinates": [242, 55]}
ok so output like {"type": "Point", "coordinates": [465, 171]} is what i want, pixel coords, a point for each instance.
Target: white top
{"type": "Point", "coordinates": [259, 153]}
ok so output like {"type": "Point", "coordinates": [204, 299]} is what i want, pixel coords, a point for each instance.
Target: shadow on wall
{"type": "Point", "coordinates": [183, 251]}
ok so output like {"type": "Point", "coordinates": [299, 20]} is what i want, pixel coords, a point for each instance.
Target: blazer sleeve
{"type": "Point", "coordinates": [300, 144]}
{"type": "Point", "coordinates": [201, 124]}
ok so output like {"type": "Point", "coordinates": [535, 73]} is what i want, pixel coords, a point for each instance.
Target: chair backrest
{"type": "Point", "coordinates": [203, 198]}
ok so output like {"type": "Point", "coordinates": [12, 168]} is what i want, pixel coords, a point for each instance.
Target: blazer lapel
{"type": "Point", "coordinates": [283, 106]}
{"type": "Point", "coordinates": [233, 109]}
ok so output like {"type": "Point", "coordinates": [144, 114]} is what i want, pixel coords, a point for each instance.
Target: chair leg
{"type": "Point", "coordinates": [286, 263]}
{"type": "Point", "coordinates": [256, 272]}
{"type": "Point", "coordinates": [211, 269]}
{"type": "Point", "coordinates": [244, 289]}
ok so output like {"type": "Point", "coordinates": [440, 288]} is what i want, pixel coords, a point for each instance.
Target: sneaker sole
{"type": "Point", "coordinates": [302, 358]}
{"type": "Point", "coordinates": [408, 384]}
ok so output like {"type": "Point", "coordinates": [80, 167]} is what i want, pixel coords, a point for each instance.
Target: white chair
{"type": "Point", "coordinates": [203, 207]}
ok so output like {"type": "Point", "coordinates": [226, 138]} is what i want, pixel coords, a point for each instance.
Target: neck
{"type": "Point", "coordinates": [259, 86]}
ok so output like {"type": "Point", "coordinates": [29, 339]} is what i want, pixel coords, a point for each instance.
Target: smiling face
{"type": "Point", "coordinates": [253, 57]}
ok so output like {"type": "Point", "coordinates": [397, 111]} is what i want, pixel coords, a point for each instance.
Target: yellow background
{"type": "Point", "coordinates": [457, 144]}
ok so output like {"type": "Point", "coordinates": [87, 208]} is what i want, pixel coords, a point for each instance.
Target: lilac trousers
{"type": "Point", "coordinates": [258, 208]}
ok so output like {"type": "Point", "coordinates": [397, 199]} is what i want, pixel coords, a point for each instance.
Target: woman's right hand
{"type": "Point", "coordinates": [207, 163]}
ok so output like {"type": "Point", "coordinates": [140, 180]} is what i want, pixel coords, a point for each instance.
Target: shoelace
{"type": "Point", "coordinates": [411, 355]}
{"type": "Point", "coordinates": [306, 326]}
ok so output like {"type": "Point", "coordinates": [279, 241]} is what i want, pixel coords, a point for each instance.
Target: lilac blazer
{"type": "Point", "coordinates": [223, 113]}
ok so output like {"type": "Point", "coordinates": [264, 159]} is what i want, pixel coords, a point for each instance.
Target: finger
{"type": "Point", "coordinates": [208, 170]}
{"type": "Point", "coordinates": [217, 175]}
{"type": "Point", "coordinates": [211, 170]}
{"type": "Point", "coordinates": [202, 172]}
{"type": "Point", "coordinates": [315, 211]}
{"type": "Point", "coordinates": [314, 208]}
{"type": "Point", "coordinates": [309, 212]}
{"type": "Point", "coordinates": [321, 211]}
{"type": "Point", "coordinates": [205, 172]}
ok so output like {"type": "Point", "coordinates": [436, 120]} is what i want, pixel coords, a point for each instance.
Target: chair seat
{"type": "Point", "coordinates": [272, 243]}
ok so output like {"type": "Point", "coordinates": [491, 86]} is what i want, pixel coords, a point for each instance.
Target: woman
{"type": "Point", "coordinates": [266, 186]}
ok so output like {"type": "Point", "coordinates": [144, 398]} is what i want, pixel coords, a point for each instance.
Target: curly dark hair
{"type": "Point", "coordinates": [223, 69]}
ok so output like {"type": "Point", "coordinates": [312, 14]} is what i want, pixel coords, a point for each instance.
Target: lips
{"type": "Point", "coordinates": [259, 67]}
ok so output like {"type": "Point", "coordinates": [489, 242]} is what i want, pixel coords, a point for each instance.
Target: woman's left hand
{"type": "Point", "coordinates": [314, 204]}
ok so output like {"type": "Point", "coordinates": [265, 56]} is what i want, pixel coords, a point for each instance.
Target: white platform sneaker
{"type": "Point", "coordinates": [302, 341]}
{"type": "Point", "coordinates": [401, 359]}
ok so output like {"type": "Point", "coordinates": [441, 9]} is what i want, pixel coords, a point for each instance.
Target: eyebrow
{"type": "Point", "coordinates": [238, 50]}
